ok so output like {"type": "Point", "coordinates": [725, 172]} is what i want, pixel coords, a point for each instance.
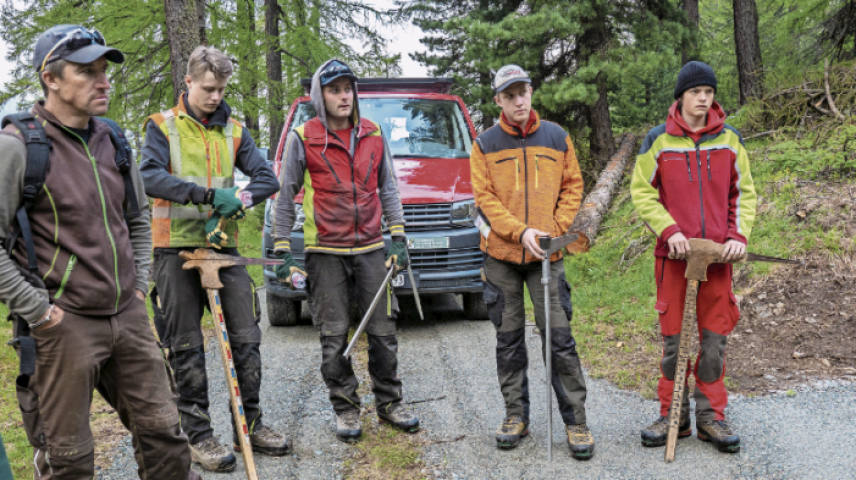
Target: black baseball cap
{"type": "Point", "coordinates": [336, 69]}
{"type": "Point", "coordinates": [73, 43]}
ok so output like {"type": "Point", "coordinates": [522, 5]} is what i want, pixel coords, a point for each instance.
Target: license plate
{"type": "Point", "coordinates": [427, 243]}
{"type": "Point", "coordinates": [398, 280]}
{"type": "Point", "coordinates": [402, 280]}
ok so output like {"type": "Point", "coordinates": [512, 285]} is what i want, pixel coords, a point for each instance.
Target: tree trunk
{"type": "Point", "coordinates": [487, 120]}
{"type": "Point", "coordinates": [273, 58]}
{"type": "Point", "coordinates": [183, 29]}
{"type": "Point", "coordinates": [597, 202]}
{"type": "Point", "coordinates": [247, 20]}
{"type": "Point", "coordinates": [601, 141]}
{"type": "Point", "coordinates": [691, 8]}
{"type": "Point", "coordinates": [749, 65]}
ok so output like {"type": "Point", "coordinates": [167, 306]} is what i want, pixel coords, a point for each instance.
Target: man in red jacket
{"type": "Point", "coordinates": [343, 163]}
{"type": "Point", "coordinates": [692, 180]}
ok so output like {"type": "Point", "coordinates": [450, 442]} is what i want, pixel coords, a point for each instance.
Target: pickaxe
{"type": "Point", "coordinates": [702, 254]}
{"type": "Point", "coordinates": [209, 263]}
{"type": "Point", "coordinates": [550, 246]}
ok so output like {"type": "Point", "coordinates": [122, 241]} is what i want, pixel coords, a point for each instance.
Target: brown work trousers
{"type": "Point", "coordinates": [118, 356]}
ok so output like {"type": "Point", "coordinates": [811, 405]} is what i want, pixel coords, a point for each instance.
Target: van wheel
{"type": "Point", "coordinates": [282, 312]}
{"type": "Point", "coordinates": [474, 306]}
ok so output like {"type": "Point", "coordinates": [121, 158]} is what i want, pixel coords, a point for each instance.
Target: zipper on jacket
{"type": "Point", "coordinates": [331, 168]}
{"type": "Point", "coordinates": [700, 194]}
{"type": "Point", "coordinates": [68, 269]}
{"type": "Point", "coordinates": [517, 174]}
{"type": "Point", "coordinates": [525, 189]}
{"type": "Point", "coordinates": [708, 166]}
{"type": "Point", "coordinates": [371, 162]}
{"type": "Point", "coordinates": [104, 215]}
{"type": "Point", "coordinates": [689, 173]}
{"type": "Point", "coordinates": [537, 156]}
{"type": "Point", "coordinates": [356, 139]}
{"type": "Point", "coordinates": [202, 129]}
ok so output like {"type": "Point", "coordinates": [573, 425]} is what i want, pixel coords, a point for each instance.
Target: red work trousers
{"type": "Point", "coordinates": [717, 315]}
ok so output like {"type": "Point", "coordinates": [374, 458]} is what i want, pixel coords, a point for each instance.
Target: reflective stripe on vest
{"type": "Point", "coordinates": [177, 225]}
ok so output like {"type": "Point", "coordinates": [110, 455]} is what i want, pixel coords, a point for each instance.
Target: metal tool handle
{"type": "Point", "coordinates": [369, 312]}
{"type": "Point", "coordinates": [548, 348]}
{"type": "Point", "coordinates": [413, 283]}
{"type": "Point", "coordinates": [232, 385]}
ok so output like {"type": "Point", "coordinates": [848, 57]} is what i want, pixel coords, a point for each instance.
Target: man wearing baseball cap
{"type": "Point", "coordinates": [76, 282]}
{"type": "Point", "coordinates": [342, 162]}
{"type": "Point", "coordinates": [527, 184]}
{"type": "Point", "coordinates": [692, 180]}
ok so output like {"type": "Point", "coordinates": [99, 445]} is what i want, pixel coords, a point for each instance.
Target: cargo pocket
{"type": "Point", "coordinates": [565, 296]}
{"type": "Point", "coordinates": [661, 307]}
{"type": "Point", "coordinates": [28, 402]}
{"type": "Point", "coordinates": [495, 301]}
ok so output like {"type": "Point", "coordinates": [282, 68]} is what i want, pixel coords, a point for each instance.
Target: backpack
{"type": "Point", "coordinates": [38, 163]}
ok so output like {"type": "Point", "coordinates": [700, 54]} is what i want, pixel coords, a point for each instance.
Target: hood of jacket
{"type": "Point", "coordinates": [677, 126]}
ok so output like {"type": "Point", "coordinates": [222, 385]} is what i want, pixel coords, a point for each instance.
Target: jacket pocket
{"type": "Point", "coordinates": [28, 401]}
{"type": "Point", "coordinates": [495, 301]}
{"type": "Point", "coordinates": [661, 307]}
{"type": "Point", "coordinates": [71, 261]}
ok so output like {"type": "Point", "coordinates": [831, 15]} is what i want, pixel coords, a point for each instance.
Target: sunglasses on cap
{"type": "Point", "coordinates": [334, 71]}
{"type": "Point", "coordinates": [73, 41]}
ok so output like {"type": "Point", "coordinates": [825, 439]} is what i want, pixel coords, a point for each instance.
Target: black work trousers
{"type": "Point", "coordinates": [503, 295]}
{"type": "Point", "coordinates": [333, 280]}
{"type": "Point", "coordinates": [182, 301]}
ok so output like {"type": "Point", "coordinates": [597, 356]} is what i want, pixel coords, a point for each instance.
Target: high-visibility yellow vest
{"type": "Point", "coordinates": [204, 156]}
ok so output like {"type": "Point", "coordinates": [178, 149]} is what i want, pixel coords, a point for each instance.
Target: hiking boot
{"type": "Point", "coordinates": [656, 433]}
{"type": "Point", "coordinates": [267, 442]}
{"type": "Point", "coordinates": [513, 429]}
{"type": "Point", "coordinates": [348, 427]}
{"type": "Point", "coordinates": [580, 440]}
{"type": "Point", "coordinates": [399, 417]}
{"type": "Point", "coordinates": [719, 433]}
{"type": "Point", "coordinates": [212, 456]}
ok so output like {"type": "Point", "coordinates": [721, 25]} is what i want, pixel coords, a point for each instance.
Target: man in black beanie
{"type": "Point", "coordinates": [692, 180]}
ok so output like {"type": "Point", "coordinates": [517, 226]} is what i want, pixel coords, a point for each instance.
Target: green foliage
{"type": "Point", "coordinates": [814, 156]}
{"type": "Point", "coordinates": [311, 33]}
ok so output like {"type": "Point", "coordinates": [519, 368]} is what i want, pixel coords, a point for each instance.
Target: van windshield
{"type": "Point", "coordinates": [413, 127]}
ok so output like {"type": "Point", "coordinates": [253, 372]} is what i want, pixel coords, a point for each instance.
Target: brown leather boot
{"type": "Point", "coordinates": [580, 440]}
{"type": "Point", "coordinates": [513, 429]}
{"type": "Point", "coordinates": [348, 427]}
{"type": "Point", "coordinates": [267, 442]}
{"type": "Point", "coordinates": [719, 433]}
{"type": "Point", "coordinates": [656, 433]}
{"type": "Point", "coordinates": [212, 456]}
{"type": "Point", "coordinates": [399, 417]}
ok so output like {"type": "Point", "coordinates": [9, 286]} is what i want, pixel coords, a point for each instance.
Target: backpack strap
{"type": "Point", "coordinates": [38, 164]}
{"type": "Point", "coordinates": [124, 157]}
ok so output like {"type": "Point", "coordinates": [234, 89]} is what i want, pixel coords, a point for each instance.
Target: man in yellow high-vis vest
{"type": "Point", "coordinates": [189, 155]}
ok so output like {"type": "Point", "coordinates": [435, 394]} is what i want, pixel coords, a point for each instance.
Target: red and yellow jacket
{"type": "Point", "coordinates": [697, 183]}
{"type": "Point", "coordinates": [524, 180]}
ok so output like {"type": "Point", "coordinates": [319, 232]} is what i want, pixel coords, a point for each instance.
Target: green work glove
{"type": "Point", "coordinates": [227, 201]}
{"type": "Point", "coordinates": [214, 231]}
{"type": "Point", "coordinates": [397, 254]}
{"type": "Point", "coordinates": [286, 271]}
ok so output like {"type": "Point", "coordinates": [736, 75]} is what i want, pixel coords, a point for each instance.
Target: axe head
{"type": "Point", "coordinates": [702, 254]}
{"type": "Point", "coordinates": [208, 263]}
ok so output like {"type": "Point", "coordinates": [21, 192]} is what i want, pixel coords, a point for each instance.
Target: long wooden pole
{"type": "Point", "coordinates": [234, 389]}
{"type": "Point", "coordinates": [680, 390]}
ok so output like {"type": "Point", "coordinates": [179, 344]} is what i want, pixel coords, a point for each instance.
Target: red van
{"type": "Point", "coordinates": [430, 135]}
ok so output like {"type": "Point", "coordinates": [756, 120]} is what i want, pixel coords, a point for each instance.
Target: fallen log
{"type": "Point", "coordinates": [597, 202]}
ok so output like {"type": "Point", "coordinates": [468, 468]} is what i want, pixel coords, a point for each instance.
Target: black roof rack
{"type": "Point", "coordinates": [396, 85]}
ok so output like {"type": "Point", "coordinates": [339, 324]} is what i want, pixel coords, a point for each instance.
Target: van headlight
{"type": "Point", "coordinates": [463, 213]}
{"type": "Point", "coordinates": [299, 218]}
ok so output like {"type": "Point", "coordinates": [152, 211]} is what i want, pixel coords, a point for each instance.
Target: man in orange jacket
{"type": "Point", "coordinates": [527, 184]}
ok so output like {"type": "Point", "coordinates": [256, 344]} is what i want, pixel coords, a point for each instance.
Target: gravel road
{"type": "Point", "coordinates": [809, 435]}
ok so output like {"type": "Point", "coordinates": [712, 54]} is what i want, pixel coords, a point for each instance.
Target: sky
{"type": "Point", "coordinates": [403, 39]}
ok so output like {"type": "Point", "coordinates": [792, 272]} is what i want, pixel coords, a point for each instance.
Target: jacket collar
{"type": "Point", "coordinates": [95, 128]}
{"type": "Point", "coordinates": [677, 126]}
{"type": "Point", "coordinates": [512, 129]}
{"type": "Point", "coordinates": [219, 118]}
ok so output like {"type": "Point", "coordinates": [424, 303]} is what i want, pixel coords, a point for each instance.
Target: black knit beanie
{"type": "Point", "coordinates": [692, 75]}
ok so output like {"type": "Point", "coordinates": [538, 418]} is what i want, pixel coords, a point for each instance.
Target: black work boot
{"type": "Point", "coordinates": [210, 455]}
{"type": "Point", "coordinates": [512, 430]}
{"type": "Point", "coordinates": [398, 416]}
{"type": "Point", "coordinates": [267, 442]}
{"type": "Point", "coordinates": [656, 433]}
{"type": "Point", "coordinates": [719, 433]}
{"type": "Point", "coordinates": [348, 427]}
{"type": "Point", "coordinates": [580, 440]}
